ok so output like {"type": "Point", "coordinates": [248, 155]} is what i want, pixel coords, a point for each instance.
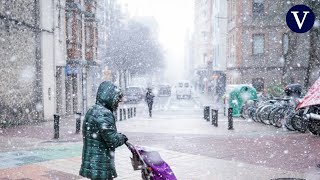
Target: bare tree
{"type": "Point", "coordinates": [132, 47]}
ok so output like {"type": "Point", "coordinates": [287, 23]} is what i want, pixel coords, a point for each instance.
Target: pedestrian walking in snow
{"type": "Point", "coordinates": [149, 100]}
{"type": "Point", "coordinates": [100, 136]}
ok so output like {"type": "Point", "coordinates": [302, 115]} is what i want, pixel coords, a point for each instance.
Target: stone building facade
{"type": "Point", "coordinates": [49, 51]}
{"type": "Point", "coordinates": [20, 89]}
{"type": "Point", "coordinates": [202, 33]}
{"type": "Point", "coordinates": [202, 43]}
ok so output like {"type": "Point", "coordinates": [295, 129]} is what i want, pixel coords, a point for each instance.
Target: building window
{"type": "Point", "coordinates": [204, 14]}
{"type": "Point", "coordinates": [205, 58]}
{"type": "Point", "coordinates": [87, 36]}
{"type": "Point", "coordinates": [69, 26]}
{"type": "Point", "coordinates": [204, 35]}
{"type": "Point", "coordinates": [258, 44]}
{"type": "Point", "coordinates": [79, 33]}
{"type": "Point", "coordinates": [258, 84]}
{"type": "Point", "coordinates": [233, 10]}
{"type": "Point", "coordinates": [285, 43]}
{"type": "Point", "coordinates": [257, 6]}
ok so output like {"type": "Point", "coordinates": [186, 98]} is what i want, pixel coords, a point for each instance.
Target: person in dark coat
{"type": "Point", "coordinates": [100, 136]}
{"type": "Point", "coordinates": [149, 100]}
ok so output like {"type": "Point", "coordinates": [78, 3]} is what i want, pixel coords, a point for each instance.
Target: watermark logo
{"type": "Point", "coordinates": [300, 18]}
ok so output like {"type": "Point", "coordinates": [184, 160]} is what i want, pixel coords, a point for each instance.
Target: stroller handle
{"type": "Point", "coordinates": [128, 144]}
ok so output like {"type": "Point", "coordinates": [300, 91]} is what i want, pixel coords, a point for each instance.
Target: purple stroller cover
{"type": "Point", "coordinates": [160, 169]}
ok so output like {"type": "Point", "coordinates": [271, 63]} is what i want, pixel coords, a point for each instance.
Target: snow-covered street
{"type": "Point", "coordinates": [175, 89]}
{"type": "Point", "coordinates": [191, 146]}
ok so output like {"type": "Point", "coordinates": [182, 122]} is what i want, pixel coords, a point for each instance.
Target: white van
{"type": "Point", "coordinates": [183, 89]}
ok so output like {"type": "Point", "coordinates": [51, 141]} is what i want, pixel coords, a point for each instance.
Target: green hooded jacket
{"type": "Point", "coordinates": [100, 137]}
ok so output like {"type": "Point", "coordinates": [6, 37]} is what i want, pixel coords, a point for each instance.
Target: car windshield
{"type": "Point", "coordinates": [186, 85]}
{"type": "Point", "coordinates": [180, 85]}
{"type": "Point", "coordinates": [132, 90]}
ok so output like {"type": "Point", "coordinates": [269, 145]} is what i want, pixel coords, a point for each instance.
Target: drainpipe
{"type": "Point", "coordinates": [54, 57]}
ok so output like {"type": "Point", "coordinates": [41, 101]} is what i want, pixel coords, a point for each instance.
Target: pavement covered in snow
{"type": "Point", "coordinates": [194, 148]}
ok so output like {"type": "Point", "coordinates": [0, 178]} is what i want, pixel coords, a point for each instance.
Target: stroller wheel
{"type": "Point", "coordinates": [145, 175]}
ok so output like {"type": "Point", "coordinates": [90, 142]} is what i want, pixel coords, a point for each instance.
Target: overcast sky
{"type": "Point", "coordinates": [174, 17]}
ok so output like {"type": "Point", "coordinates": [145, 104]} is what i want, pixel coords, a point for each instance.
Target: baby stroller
{"type": "Point", "coordinates": [152, 166]}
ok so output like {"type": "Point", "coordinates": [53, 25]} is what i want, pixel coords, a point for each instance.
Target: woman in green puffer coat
{"type": "Point", "coordinates": [100, 136]}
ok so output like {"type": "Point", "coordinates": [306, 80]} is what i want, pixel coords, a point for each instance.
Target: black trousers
{"type": "Point", "coordinates": [150, 108]}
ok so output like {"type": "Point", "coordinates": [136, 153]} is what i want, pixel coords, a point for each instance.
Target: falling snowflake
{"type": "Point", "coordinates": [39, 107]}
{"type": "Point", "coordinates": [94, 135]}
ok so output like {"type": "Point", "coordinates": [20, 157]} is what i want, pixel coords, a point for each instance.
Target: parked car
{"type": "Point", "coordinates": [133, 94]}
{"type": "Point", "coordinates": [164, 90]}
{"type": "Point", "coordinates": [183, 89]}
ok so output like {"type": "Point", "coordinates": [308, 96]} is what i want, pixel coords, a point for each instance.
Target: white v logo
{"type": "Point", "coordinates": [295, 14]}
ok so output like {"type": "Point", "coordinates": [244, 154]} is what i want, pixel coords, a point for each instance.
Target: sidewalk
{"type": "Point", "coordinates": [31, 136]}
{"type": "Point", "coordinates": [203, 99]}
{"type": "Point", "coordinates": [30, 152]}
{"type": "Point", "coordinates": [26, 137]}
{"type": "Point", "coordinates": [64, 163]}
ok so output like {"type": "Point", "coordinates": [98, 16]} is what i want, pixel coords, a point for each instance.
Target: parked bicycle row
{"type": "Point", "coordinates": [293, 112]}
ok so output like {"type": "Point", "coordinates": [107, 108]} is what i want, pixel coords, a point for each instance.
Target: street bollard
{"type": "Point", "coordinates": [206, 113]}
{"type": "Point", "coordinates": [116, 115]}
{"type": "Point", "coordinates": [78, 122]}
{"type": "Point", "coordinates": [134, 111]}
{"type": "Point", "coordinates": [124, 114]}
{"type": "Point", "coordinates": [224, 111]}
{"type": "Point", "coordinates": [56, 119]}
{"type": "Point", "coordinates": [129, 114]}
{"type": "Point", "coordinates": [230, 119]}
{"type": "Point", "coordinates": [214, 114]}
{"type": "Point", "coordinates": [120, 115]}
{"type": "Point", "coordinates": [304, 123]}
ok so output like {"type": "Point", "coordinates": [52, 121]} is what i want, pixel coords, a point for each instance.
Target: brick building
{"type": "Point", "coordinates": [258, 50]}
{"type": "Point", "coordinates": [88, 24]}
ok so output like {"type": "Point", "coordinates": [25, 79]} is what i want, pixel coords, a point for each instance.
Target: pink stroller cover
{"type": "Point", "coordinates": [160, 169]}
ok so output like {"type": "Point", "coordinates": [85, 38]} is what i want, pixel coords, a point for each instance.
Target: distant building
{"type": "Point", "coordinates": [188, 55]}
{"type": "Point", "coordinates": [202, 43]}
{"type": "Point", "coordinates": [219, 39]}
{"type": "Point", "coordinates": [202, 33]}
